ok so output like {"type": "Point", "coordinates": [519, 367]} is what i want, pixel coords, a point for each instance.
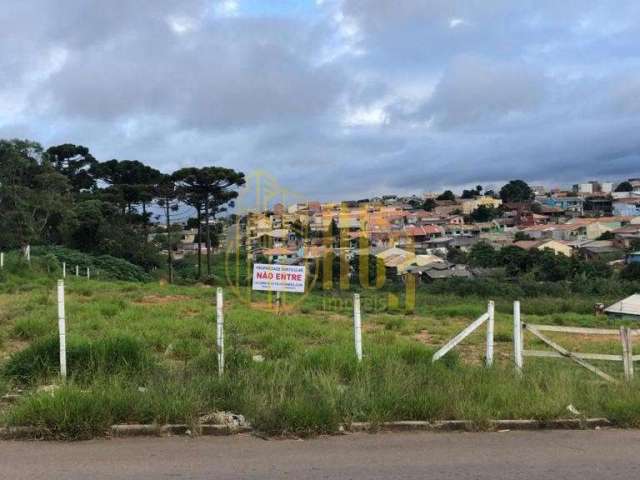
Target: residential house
{"type": "Point", "coordinates": [633, 257]}
{"type": "Point", "coordinates": [469, 205]}
{"type": "Point", "coordinates": [556, 246]}
{"type": "Point", "coordinates": [572, 204]}
{"type": "Point", "coordinates": [598, 206]}
{"type": "Point", "coordinates": [628, 236]}
{"type": "Point", "coordinates": [600, 250]}
{"type": "Point", "coordinates": [279, 254]}
{"type": "Point", "coordinates": [629, 207]}
{"type": "Point", "coordinates": [419, 235]}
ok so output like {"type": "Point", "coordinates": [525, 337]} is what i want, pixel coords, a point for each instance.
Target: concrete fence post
{"type": "Point", "coordinates": [1, 260]}
{"type": "Point", "coordinates": [627, 353]}
{"type": "Point", "coordinates": [64, 270]}
{"type": "Point", "coordinates": [357, 326]}
{"type": "Point", "coordinates": [220, 330]}
{"type": "Point", "coordinates": [517, 337]}
{"type": "Point", "coordinates": [62, 330]}
{"type": "Point", "coordinates": [490, 329]}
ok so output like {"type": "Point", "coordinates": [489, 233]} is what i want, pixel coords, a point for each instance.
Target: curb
{"type": "Point", "coordinates": [122, 431]}
{"type": "Point", "coordinates": [147, 430]}
{"type": "Point", "coordinates": [493, 425]}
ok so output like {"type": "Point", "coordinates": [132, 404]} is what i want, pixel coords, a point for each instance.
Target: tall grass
{"type": "Point", "coordinates": [314, 392]}
{"type": "Point", "coordinates": [144, 353]}
{"type": "Point", "coordinates": [85, 359]}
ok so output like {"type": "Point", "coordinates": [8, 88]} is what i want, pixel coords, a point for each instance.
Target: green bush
{"type": "Point", "coordinates": [103, 266]}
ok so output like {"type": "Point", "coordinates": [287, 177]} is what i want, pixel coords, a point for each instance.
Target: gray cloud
{"type": "Point", "coordinates": [350, 99]}
{"type": "Point", "coordinates": [473, 89]}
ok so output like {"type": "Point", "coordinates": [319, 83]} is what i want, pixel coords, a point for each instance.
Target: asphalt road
{"type": "Point", "coordinates": [553, 455]}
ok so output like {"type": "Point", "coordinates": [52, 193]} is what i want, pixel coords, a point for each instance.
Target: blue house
{"type": "Point", "coordinates": [633, 257]}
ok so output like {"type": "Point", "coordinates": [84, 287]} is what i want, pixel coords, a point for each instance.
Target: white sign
{"type": "Point", "coordinates": [278, 278]}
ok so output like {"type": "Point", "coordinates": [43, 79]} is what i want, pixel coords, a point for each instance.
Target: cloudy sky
{"type": "Point", "coordinates": [335, 98]}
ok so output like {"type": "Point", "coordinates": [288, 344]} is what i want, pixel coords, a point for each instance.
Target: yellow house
{"type": "Point", "coordinates": [558, 247]}
{"type": "Point", "coordinates": [471, 204]}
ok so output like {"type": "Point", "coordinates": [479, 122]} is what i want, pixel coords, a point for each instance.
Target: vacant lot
{"type": "Point", "coordinates": [145, 352]}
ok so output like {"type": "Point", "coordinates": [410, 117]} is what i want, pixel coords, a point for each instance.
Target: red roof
{"type": "Point", "coordinates": [422, 231]}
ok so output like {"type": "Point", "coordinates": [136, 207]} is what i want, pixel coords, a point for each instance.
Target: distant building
{"type": "Point", "coordinates": [598, 206]}
{"type": "Point", "coordinates": [593, 187]}
{"type": "Point", "coordinates": [469, 205]}
{"type": "Point", "coordinates": [583, 188]}
{"type": "Point", "coordinates": [627, 207]}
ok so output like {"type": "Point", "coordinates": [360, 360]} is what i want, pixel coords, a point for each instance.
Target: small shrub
{"type": "Point", "coordinates": [282, 348]}
{"type": "Point", "coordinates": [29, 328]}
{"type": "Point", "coordinates": [186, 349]}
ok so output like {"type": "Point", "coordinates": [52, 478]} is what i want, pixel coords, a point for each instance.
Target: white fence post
{"type": "Point", "coordinates": [61, 330]}
{"type": "Point", "coordinates": [77, 270]}
{"type": "Point", "coordinates": [630, 351]}
{"type": "Point", "coordinates": [27, 253]}
{"type": "Point", "coordinates": [490, 328]}
{"type": "Point", "coordinates": [357, 326]}
{"type": "Point", "coordinates": [627, 353]}
{"type": "Point", "coordinates": [220, 330]}
{"type": "Point", "coordinates": [1, 259]}
{"type": "Point", "coordinates": [88, 274]}
{"type": "Point", "coordinates": [517, 337]}
{"type": "Point", "coordinates": [64, 270]}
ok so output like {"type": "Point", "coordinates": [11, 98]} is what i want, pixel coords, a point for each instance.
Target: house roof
{"type": "Point", "coordinates": [527, 244]}
{"type": "Point", "coordinates": [628, 306]}
{"type": "Point", "coordinates": [277, 251]}
{"type": "Point", "coordinates": [422, 231]}
{"type": "Point", "coordinates": [444, 271]}
{"type": "Point", "coordinates": [586, 221]}
{"type": "Point", "coordinates": [315, 251]}
{"type": "Point", "coordinates": [277, 233]}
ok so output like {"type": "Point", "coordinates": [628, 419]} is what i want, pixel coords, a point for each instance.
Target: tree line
{"type": "Point", "coordinates": [64, 196]}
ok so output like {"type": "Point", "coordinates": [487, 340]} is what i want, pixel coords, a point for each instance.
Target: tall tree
{"type": "Point", "coordinates": [131, 183]}
{"type": "Point", "coordinates": [624, 187]}
{"type": "Point", "coordinates": [167, 193]}
{"type": "Point", "coordinates": [516, 191]}
{"type": "Point", "coordinates": [219, 186]}
{"type": "Point", "coordinates": [33, 196]}
{"type": "Point", "coordinates": [74, 162]}
{"type": "Point", "coordinates": [447, 195]}
{"type": "Point", "coordinates": [192, 192]}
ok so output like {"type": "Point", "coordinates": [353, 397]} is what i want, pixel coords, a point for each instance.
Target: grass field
{"type": "Point", "coordinates": [145, 352]}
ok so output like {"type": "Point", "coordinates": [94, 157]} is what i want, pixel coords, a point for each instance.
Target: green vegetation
{"type": "Point", "coordinates": [64, 197]}
{"type": "Point", "coordinates": [144, 353]}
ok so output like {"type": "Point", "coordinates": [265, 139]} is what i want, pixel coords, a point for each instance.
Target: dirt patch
{"type": "Point", "coordinates": [12, 346]}
{"type": "Point", "coordinates": [264, 306]}
{"type": "Point", "coordinates": [162, 299]}
{"type": "Point", "coordinates": [424, 337]}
